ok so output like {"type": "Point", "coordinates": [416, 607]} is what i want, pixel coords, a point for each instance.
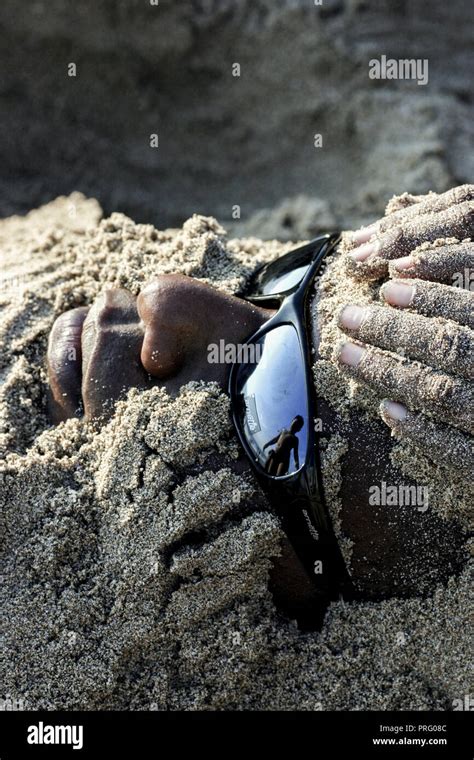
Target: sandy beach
{"type": "Point", "coordinates": [109, 601]}
{"type": "Point", "coordinates": [143, 566]}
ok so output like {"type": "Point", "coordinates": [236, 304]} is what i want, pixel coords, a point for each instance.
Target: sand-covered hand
{"type": "Point", "coordinates": [427, 221]}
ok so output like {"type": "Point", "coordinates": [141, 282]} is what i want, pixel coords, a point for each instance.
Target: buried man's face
{"type": "Point", "coordinates": [164, 337]}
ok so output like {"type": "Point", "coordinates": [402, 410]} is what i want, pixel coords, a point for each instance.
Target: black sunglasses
{"type": "Point", "coordinates": [274, 410]}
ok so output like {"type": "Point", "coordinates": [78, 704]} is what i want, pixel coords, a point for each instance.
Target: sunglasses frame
{"type": "Point", "coordinates": [298, 498]}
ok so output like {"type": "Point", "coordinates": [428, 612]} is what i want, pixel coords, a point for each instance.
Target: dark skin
{"type": "Point", "coordinates": [161, 338]}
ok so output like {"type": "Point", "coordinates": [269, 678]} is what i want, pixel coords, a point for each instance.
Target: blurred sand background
{"type": "Point", "coordinates": [226, 140]}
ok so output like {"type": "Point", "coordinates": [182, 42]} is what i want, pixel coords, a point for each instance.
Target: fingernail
{"type": "Point", "coordinates": [392, 411]}
{"type": "Point", "coordinates": [404, 263]}
{"type": "Point", "coordinates": [398, 293]}
{"type": "Point", "coordinates": [364, 251]}
{"type": "Point", "coordinates": [351, 317]}
{"type": "Point", "coordinates": [351, 354]}
{"type": "Point", "coordinates": [364, 234]}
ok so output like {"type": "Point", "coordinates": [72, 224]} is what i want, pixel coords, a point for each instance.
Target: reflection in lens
{"type": "Point", "coordinates": [283, 281]}
{"type": "Point", "coordinates": [272, 403]}
{"type": "Point", "coordinates": [284, 274]}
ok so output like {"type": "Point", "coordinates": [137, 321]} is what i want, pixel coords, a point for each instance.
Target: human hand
{"type": "Point", "coordinates": [424, 358]}
{"type": "Point", "coordinates": [402, 242]}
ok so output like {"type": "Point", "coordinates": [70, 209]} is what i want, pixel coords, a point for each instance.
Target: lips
{"type": "Point", "coordinates": [64, 360]}
{"type": "Point", "coordinates": [94, 357]}
{"type": "Point", "coordinates": [160, 338]}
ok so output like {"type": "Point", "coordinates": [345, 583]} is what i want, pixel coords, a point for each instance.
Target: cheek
{"type": "Point", "coordinates": [374, 529]}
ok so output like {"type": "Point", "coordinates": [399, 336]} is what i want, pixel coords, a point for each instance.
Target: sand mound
{"type": "Point", "coordinates": [134, 560]}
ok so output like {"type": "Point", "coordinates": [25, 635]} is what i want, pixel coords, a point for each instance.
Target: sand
{"type": "Point", "coordinates": [134, 559]}
{"type": "Point", "coordinates": [241, 148]}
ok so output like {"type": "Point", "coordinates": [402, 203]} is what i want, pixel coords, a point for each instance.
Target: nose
{"type": "Point", "coordinates": [163, 338]}
{"type": "Point", "coordinates": [185, 321]}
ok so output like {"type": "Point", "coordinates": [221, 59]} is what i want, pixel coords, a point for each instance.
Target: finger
{"type": "Point", "coordinates": [444, 444]}
{"type": "Point", "coordinates": [399, 203]}
{"type": "Point", "coordinates": [440, 343]}
{"type": "Point", "coordinates": [64, 359]}
{"type": "Point", "coordinates": [371, 259]}
{"type": "Point", "coordinates": [450, 264]}
{"type": "Point", "coordinates": [431, 299]}
{"type": "Point", "coordinates": [432, 203]}
{"type": "Point", "coordinates": [449, 398]}
{"type": "Point", "coordinates": [407, 206]}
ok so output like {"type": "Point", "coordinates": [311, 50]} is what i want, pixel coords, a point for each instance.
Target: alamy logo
{"type": "Point", "coordinates": [13, 704]}
{"type": "Point", "coordinates": [231, 353]}
{"type": "Point", "coordinates": [403, 68]}
{"type": "Point", "coordinates": [41, 734]}
{"type": "Point", "coordinates": [463, 704]}
{"type": "Point", "coordinates": [464, 279]}
{"type": "Point", "coordinates": [385, 495]}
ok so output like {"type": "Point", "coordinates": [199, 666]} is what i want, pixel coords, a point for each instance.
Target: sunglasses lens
{"type": "Point", "coordinates": [284, 274]}
{"type": "Point", "coordinates": [272, 403]}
